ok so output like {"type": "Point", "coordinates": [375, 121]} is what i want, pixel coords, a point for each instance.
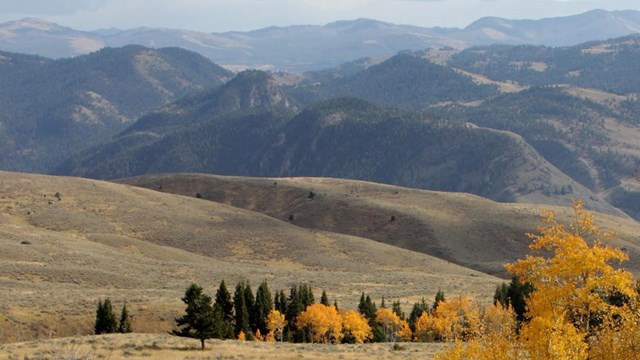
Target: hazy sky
{"type": "Point", "coordinates": [225, 15]}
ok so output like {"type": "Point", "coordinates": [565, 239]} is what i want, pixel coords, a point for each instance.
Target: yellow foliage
{"type": "Point", "coordinates": [456, 319]}
{"type": "Point", "coordinates": [498, 340]}
{"type": "Point", "coordinates": [276, 323]}
{"type": "Point", "coordinates": [581, 306]}
{"type": "Point", "coordinates": [390, 323]}
{"type": "Point", "coordinates": [425, 328]}
{"type": "Point", "coordinates": [548, 338]}
{"type": "Point", "coordinates": [323, 322]}
{"type": "Point", "coordinates": [571, 286]}
{"type": "Point", "coordinates": [356, 325]}
{"type": "Point", "coordinates": [242, 336]}
{"type": "Point", "coordinates": [258, 336]}
{"type": "Point", "coordinates": [405, 332]}
{"type": "Point", "coordinates": [270, 337]}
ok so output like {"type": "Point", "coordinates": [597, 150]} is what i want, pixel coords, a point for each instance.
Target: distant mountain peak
{"type": "Point", "coordinates": [252, 89]}
{"type": "Point", "coordinates": [34, 24]}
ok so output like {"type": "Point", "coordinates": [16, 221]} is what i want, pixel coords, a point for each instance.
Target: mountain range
{"type": "Point", "coordinates": [51, 109]}
{"type": "Point", "coordinates": [306, 47]}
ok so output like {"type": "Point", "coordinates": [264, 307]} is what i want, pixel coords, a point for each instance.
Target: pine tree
{"type": "Point", "coordinates": [366, 307]}
{"type": "Point", "coordinates": [250, 303]}
{"type": "Point", "coordinates": [416, 312]}
{"type": "Point", "coordinates": [439, 298]}
{"type": "Point", "coordinates": [324, 300]}
{"type": "Point", "coordinates": [106, 322]}
{"type": "Point", "coordinates": [198, 322]}
{"type": "Point", "coordinates": [223, 300]}
{"type": "Point", "coordinates": [263, 306]}
{"type": "Point", "coordinates": [395, 307]}
{"type": "Point", "coordinates": [124, 325]}
{"type": "Point", "coordinates": [306, 295]}
{"type": "Point", "coordinates": [294, 307]}
{"type": "Point", "coordinates": [240, 310]}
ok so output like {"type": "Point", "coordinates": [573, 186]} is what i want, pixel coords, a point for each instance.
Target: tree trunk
{"type": "Point", "coordinates": [202, 344]}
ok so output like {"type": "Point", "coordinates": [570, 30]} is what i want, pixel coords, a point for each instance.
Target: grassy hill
{"type": "Point", "coordinates": [460, 228]}
{"type": "Point", "coordinates": [65, 242]}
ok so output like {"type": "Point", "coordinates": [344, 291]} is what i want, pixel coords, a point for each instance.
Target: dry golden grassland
{"type": "Point", "coordinates": [464, 229]}
{"type": "Point", "coordinates": [60, 254]}
{"type": "Point", "coordinates": [166, 347]}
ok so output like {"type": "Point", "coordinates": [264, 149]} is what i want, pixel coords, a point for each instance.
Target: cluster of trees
{"type": "Point", "coordinates": [568, 302]}
{"type": "Point", "coordinates": [578, 306]}
{"type": "Point", "coordinates": [106, 321]}
{"type": "Point", "coordinates": [297, 317]}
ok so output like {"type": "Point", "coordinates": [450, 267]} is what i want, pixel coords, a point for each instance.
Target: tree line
{"type": "Point", "coordinates": [297, 317]}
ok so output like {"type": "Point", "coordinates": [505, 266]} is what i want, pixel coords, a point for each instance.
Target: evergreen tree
{"type": "Point", "coordinates": [395, 307]}
{"type": "Point", "coordinates": [240, 310]}
{"type": "Point", "coordinates": [518, 294]}
{"type": "Point", "coordinates": [124, 325]}
{"type": "Point", "coordinates": [439, 298]}
{"type": "Point", "coordinates": [366, 307]}
{"type": "Point", "coordinates": [416, 312]}
{"type": "Point", "coordinates": [501, 295]}
{"type": "Point", "coordinates": [294, 307]}
{"type": "Point", "coordinates": [199, 320]}
{"type": "Point", "coordinates": [324, 300]}
{"type": "Point", "coordinates": [223, 300]}
{"type": "Point", "coordinates": [221, 326]}
{"type": "Point", "coordinates": [281, 305]}
{"type": "Point", "coordinates": [263, 306]}
{"type": "Point", "coordinates": [106, 322]}
{"type": "Point", "coordinates": [382, 305]}
{"type": "Point", "coordinates": [250, 303]}
{"type": "Point", "coordinates": [306, 295]}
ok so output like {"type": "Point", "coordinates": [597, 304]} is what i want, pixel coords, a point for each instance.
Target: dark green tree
{"type": "Point", "coordinates": [280, 302]}
{"type": "Point", "coordinates": [241, 313]}
{"type": "Point", "coordinates": [416, 312]}
{"type": "Point", "coordinates": [395, 307]}
{"type": "Point", "coordinates": [439, 298]}
{"type": "Point", "coordinates": [124, 325]}
{"type": "Point", "coordinates": [250, 303]}
{"type": "Point", "coordinates": [223, 301]}
{"type": "Point", "coordinates": [518, 293]}
{"type": "Point", "coordinates": [106, 322]}
{"type": "Point", "coordinates": [366, 307]}
{"type": "Point", "coordinates": [324, 300]}
{"type": "Point", "coordinates": [295, 306]}
{"type": "Point", "coordinates": [263, 305]}
{"type": "Point", "coordinates": [306, 295]}
{"type": "Point", "coordinates": [198, 321]}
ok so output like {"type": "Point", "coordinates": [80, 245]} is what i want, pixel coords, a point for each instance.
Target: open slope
{"type": "Point", "coordinates": [461, 228]}
{"type": "Point", "coordinates": [65, 242]}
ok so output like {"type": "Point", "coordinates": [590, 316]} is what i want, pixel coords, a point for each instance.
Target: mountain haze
{"type": "Point", "coordinates": [306, 47]}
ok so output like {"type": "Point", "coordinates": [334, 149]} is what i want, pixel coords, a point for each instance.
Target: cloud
{"type": "Point", "coordinates": [49, 7]}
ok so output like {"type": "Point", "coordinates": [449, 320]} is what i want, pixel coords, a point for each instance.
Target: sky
{"type": "Point", "coordinates": [242, 15]}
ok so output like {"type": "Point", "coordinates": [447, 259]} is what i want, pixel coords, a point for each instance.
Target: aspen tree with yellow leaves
{"type": "Point", "coordinates": [581, 306]}
{"type": "Point", "coordinates": [276, 324]}
{"type": "Point", "coordinates": [355, 327]}
{"type": "Point", "coordinates": [323, 323]}
{"type": "Point", "coordinates": [390, 322]}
